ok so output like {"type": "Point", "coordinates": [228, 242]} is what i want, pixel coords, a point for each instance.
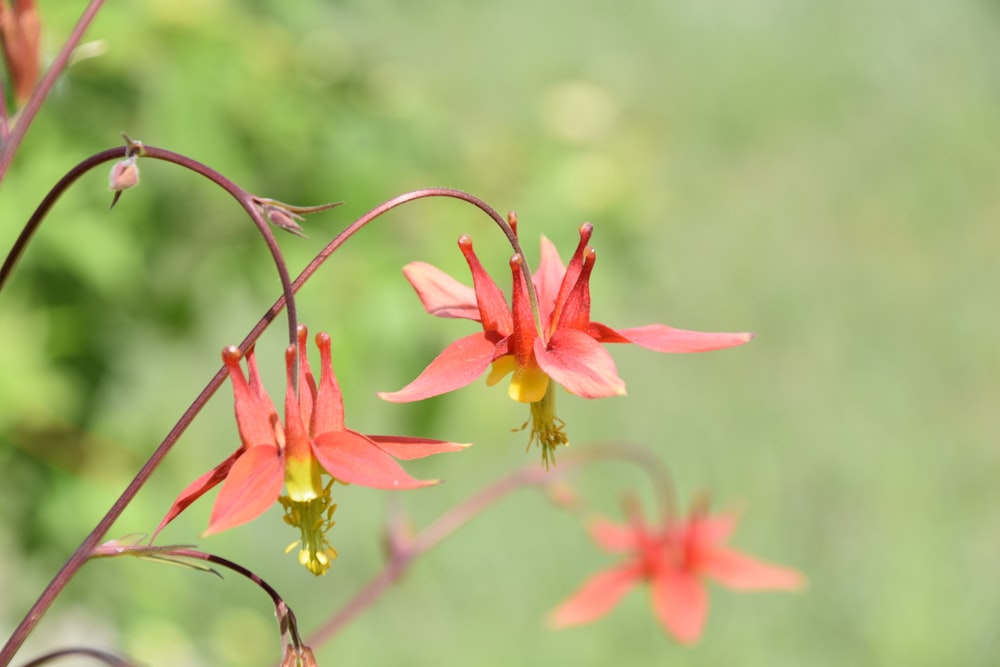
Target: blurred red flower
{"type": "Point", "coordinates": [673, 559]}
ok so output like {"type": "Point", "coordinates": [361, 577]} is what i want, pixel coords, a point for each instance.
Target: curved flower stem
{"type": "Point", "coordinates": [109, 659]}
{"type": "Point", "coordinates": [287, 623]}
{"type": "Point", "coordinates": [245, 199]}
{"type": "Point", "coordinates": [387, 206]}
{"type": "Point", "coordinates": [401, 556]}
{"type": "Point", "coordinates": [82, 553]}
{"type": "Point", "coordinates": [27, 114]}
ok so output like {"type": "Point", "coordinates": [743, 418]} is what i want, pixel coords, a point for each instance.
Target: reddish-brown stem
{"type": "Point", "coordinates": [109, 659]}
{"type": "Point", "coordinates": [27, 114]}
{"type": "Point", "coordinates": [285, 615]}
{"type": "Point", "coordinates": [4, 130]}
{"type": "Point", "coordinates": [402, 555]}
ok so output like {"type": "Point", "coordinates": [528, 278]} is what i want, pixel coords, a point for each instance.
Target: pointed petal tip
{"type": "Point", "coordinates": [219, 526]}
{"type": "Point", "coordinates": [211, 530]}
{"type": "Point", "coordinates": [739, 571]}
{"type": "Point", "coordinates": [411, 484]}
{"type": "Point", "coordinates": [461, 363]}
{"type": "Point", "coordinates": [553, 621]}
{"type": "Point", "coordinates": [788, 579]}
{"type": "Point", "coordinates": [688, 638]}
{"type": "Point", "coordinates": [408, 448]}
{"type": "Point", "coordinates": [661, 338]}
{"type": "Point", "coordinates": [401, 396]}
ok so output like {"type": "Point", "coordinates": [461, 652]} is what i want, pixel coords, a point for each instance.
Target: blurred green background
{"type": "Point", "coordinates": [825, 174]}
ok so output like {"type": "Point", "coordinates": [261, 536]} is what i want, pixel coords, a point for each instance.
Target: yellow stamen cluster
{"type": "Point", "coordinates": [546, 429]}
{"type": "Point", "coordinates": [313, 518]}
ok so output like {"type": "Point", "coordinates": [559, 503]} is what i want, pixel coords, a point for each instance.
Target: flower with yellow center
{"type": "Point", "coordinates": [313, 442]}
{"type": "Point", "coordinates": [674, 558]}
{"type": "Point", "coordinates": [563, 344]}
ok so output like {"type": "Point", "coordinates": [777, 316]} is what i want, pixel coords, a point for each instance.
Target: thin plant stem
{"type": "Point", "coordinates": [288, 625]}
{"type": "Point", "coordinates": [167, 553]}
{"type": "Point", "coordinates": [402, 556]}
{"type": "Point", "coordinates": [4, 129]}
{"type": "Point", "coordinates": [109, 659]}
{"type": "Point", "coordinates": [27, 114]}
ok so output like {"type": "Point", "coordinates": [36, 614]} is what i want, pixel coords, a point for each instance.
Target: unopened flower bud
{"type": "Point", "coordinates": [290, 657]}
{"type": "Point", "coordinates": [307, 658]}
{"type": "Point", "coordinates": [283, 218]}
{"type": "Point", "coordinates": [124, 175]}
{"type": "Point", "coordinates": [298, 657]}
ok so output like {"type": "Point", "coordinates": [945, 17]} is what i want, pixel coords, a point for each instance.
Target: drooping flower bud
{"type": "Point", "coordinates": [282, 217]}
{"type": "Point", "coordinates": [298, 657]}
{"type": "Point", "coordinates": [124, 175]}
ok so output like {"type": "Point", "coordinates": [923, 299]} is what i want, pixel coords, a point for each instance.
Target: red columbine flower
{"type": "Point", "coordinates": [312, 442]}
{"type": "Point", "coordinates": [673, 559]}
{"type": "Point", "coordinates": [565, 346]}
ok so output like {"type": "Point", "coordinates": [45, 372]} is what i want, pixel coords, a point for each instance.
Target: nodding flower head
{"type": "Point", "coordinates": [541, 341]}
{"type": "Point", "coordinates": [674, 559]}
{"type": "Point", "coordinates": [305, 455]}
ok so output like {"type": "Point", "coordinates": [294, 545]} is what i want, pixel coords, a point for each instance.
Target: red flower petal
{"type": "Point", "coordinates": [614, 537]}
{"type": "Point", "coordinates": [257, 387]}
{"type": "Point", "coordinates": [525, 332]}
{"type": "Point", "coordinates": [461, 362]}
{"type": "Point", "coordinates": [714, 529]}
{"type": "Point", "coordinates": [328, 413]}
{"type": "Point", "coordinates": [661, 338]}
{"type": "Point", "coordinates": [198, 488]}
{"type": "Point", "coordinates": [547, 278]}
{"type": "Point", "coordinates": [680, 603]}
{"type": "Point", "coordinates": [570, 280]}
{"type": "Point", "coordinates": [352, 457]}
{"type": "Point", "coordinates": [736, 570]}
{"type": "Point", "coordinates": [440, 294]}
{"type": "Point", "coordinates": [405, 448]}
{"type": "Point", "coordinates": [573, 304]}
{"type": "Point", "coordinates": [493, 310]}
{"type": "Point", "coordinates": [307, 382]}
{"type": "Point", "coordinates": [596, 597]}
{"type": "Point", "coordinates": [580, 364]}
{"type": "Point", "coordinates": [253, 414]}
{"type": "Point", "coordinates": [253, 484]}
